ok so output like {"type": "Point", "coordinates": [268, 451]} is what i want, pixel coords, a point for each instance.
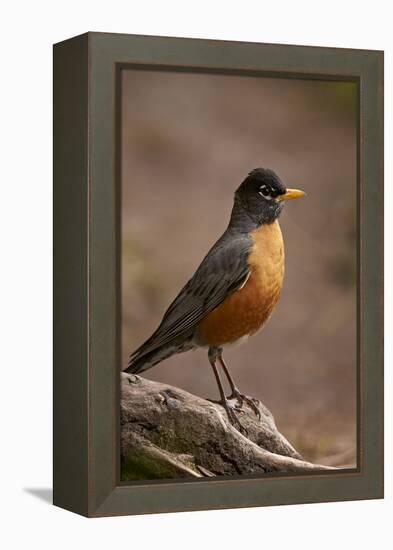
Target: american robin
{"type": "Point", "coordinates": [234, 290]}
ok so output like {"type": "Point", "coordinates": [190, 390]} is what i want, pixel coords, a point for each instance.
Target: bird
{"type": "Point", "coordinates": [232, 293]}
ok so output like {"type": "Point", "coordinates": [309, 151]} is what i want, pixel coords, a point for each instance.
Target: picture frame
{"type": "Point", "coordinates": [86, 474]}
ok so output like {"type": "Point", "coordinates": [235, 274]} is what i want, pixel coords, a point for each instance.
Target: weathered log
{"type": "Point", "coordinates": [167, 433]}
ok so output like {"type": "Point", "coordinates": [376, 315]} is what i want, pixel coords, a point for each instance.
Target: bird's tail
{"type": "Point", "coordinates": [139, 361]}
{"type": "Point", "coordinates": [143, 359]}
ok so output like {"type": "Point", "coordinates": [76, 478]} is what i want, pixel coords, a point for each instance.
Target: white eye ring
{"type": "Point", "coordinates": [267, 197]}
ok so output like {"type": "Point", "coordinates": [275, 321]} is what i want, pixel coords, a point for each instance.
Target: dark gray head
{"type": "Point", "coordinates": [261, 196]}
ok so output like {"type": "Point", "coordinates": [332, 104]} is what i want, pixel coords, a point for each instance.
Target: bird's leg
{"type": "Point", "coordinates": [235, 391]}
{"type": "Point", "coordinates": [213, 354]}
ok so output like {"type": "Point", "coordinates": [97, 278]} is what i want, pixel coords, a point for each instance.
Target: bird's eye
{"type": "Point", "coordinates": [265, 191]}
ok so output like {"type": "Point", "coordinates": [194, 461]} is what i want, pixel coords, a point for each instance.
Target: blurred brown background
{"type": "Point", "coordinates": [188, 140]}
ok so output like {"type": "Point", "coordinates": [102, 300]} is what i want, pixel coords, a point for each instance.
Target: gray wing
{"type": "Point", "coordinates": [223, 270]}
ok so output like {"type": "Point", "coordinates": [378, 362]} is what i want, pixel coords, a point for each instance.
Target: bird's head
{"type": "Point", "coordinates": [262, 195]}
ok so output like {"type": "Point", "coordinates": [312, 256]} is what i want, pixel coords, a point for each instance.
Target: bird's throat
{"type": "Point", "coordinates": [246, 220]}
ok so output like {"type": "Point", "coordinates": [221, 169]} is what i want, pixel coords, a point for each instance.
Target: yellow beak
{"type": "Point", "coordinates": [291, 194]}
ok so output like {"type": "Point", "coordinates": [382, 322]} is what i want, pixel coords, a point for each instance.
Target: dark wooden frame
{"type": "Point", "coordinates": [86, 272]}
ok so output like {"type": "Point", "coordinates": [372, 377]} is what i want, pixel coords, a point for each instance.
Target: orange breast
{"type": "Point", "coordinates": [247, 309]}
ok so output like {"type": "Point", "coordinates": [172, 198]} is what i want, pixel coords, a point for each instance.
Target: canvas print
{"type": "Point", "coordinates": [238, 275]}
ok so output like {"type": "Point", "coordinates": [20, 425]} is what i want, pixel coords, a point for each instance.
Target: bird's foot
{"type": "Point", "coordinates": [232, 413]}
{"type": "Point", "coordinates": [251, 402]}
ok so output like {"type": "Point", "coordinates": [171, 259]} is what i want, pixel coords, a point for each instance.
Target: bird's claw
{"type": "Point", "coordinates": [233, 418]}
{"type": "Point", "coordinates": [251, 402]}
{"type": "Point", "coordinates": [231, 411]}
